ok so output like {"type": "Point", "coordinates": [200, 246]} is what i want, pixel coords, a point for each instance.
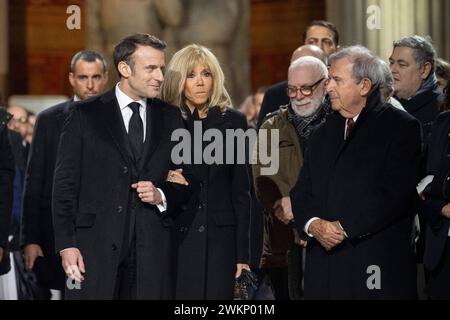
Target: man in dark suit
{"type": "Point", "coordinates": [320, 33]}
{"type": "Point", "coordinates": [355, 194]}
{"type": "Point", "coordinates": [88, 77]}
{"type": "Point", "coordinates": [6, 188]}
{"type": "Point", "coordinates": [413, 64]}
{"type": "Point", "coordinates": [436, 210]}
{"type": "Point", "coordinates": [114, 150]}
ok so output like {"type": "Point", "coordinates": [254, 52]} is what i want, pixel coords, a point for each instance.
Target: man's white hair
{"type": "Point", "coordinates": [314, 62]}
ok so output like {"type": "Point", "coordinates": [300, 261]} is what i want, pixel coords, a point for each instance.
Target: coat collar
{"type": "Point", "coordinates": [373, 106]}
{"type": "Point", "coordinates": [155, 123]}
{"type": "Point", "coordinates": [215, 118]}
{"type": "Point", "coordinates": [63, 113]}
{"type": "Point", "coordinates": [110, 113]}
{"type": "Point", "coordinates": [421, 100]}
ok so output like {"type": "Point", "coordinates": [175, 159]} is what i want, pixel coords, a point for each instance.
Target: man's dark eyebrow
{"type": "Point", "coordinates": [151, 66]}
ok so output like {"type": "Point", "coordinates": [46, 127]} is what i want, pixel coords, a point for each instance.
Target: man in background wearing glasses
{"type": "Point", "coordinates": [295, 121]}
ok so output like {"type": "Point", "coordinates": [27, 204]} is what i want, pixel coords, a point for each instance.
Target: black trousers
{"type": "Point", "coordinates": [125, 287]}
{"type": "Point", "coordinates": [279, 282]}
{"type": "Point", "coordinates": [286, 282]}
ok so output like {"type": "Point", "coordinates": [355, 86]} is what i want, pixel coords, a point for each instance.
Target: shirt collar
{"type": "Point", "coordinates": [125, 100]}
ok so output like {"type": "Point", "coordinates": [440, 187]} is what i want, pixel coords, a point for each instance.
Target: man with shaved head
{"type": "Point", "coordinates": [320, 39]}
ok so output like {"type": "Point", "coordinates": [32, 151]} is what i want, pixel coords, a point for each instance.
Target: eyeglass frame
{"type": "Point", "coordinates": [22, 120]}
{"type": "Point", "coordinates": [311, 87]}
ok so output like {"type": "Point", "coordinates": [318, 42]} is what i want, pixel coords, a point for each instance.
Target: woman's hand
{"type": "Point", "coordinates": [239, 268]}
{"type": "Point", "coordinates": [176, 176]}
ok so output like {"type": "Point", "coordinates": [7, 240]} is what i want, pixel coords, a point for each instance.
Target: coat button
{"type": "Point", "coordinates": [114, 247]}
{"type": "Point", "coordinates": [201, 229]}
{"type": "Point", "coordinates": [125, 170]}
{"type": "Point", "coordinates": [119, 209]}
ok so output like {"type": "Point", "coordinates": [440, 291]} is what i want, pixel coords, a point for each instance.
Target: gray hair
{"type": "Point", "coordinates": [387, 87]}
{"type": "Point", "coordinates": [366, 65]}
{"type": "Point", "coordinates": [423, 50]}
{"type": "Point", "coordinates": [88, 56]}
{"type": "Point", "coordinates": [314, 62]}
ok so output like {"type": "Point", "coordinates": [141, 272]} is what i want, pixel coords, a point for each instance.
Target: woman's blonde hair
{"type": "Point", "coordinates": [181, 64]}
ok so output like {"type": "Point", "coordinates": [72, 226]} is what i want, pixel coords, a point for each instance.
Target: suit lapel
{"type": "Point", "coordinates": [217, 119]}
{"type": "Point", "coordinates": [154, 127]}
{"type": "Point", "coordinates": [109, 113]}
{"type": "Point", "coordinates": [373, 106]}
{"type": "Point", "coordinates": [62, 115]}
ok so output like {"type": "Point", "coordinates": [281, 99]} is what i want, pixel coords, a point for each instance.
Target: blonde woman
{"type": "Point", "coordinates": [212, 233]}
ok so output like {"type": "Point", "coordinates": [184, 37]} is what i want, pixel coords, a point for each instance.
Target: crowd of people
{"type": "Point", "coordinates": [95, 205]}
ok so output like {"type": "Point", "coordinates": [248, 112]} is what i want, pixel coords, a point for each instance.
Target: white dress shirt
{"type": "Point", "coordinates": [126, 111]}
{"type": "Point", "coordinates": [345, 127]}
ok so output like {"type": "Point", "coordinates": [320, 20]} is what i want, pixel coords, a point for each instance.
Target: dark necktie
{"type": "Point", "coordinates": [350, 125]}
{"type": "Point", "coordinates": [136, 131]}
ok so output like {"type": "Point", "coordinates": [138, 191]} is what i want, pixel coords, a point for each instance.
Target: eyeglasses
{"type": "Point", "coordinates": [22, 120]}
{"type": "Point", "coordinates": [305, 90]}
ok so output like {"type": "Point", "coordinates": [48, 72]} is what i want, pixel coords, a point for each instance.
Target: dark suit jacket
{"type": "Point", "coordinates": [438, 195]}
{"type": "Point", "coordinates": [6, 188]}
{"type": "Point", "coordinates": [37, 224]}
{"type": "Point", "coordinates": [274, 97]}
{"type": "Point", "coordinates": [366, 182]}
{"type": "Point", "coordinates": [92, 196]}
{"type": "Point", "coordinates": [6, 179]}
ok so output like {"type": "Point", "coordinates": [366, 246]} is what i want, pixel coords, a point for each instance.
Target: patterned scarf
{"type": "Point", "coordinates": [305, 125]}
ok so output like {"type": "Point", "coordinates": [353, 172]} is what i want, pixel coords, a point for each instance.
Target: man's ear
{"type": "Point", "coordinates": [106, 76]}
{"type": "Point", "coordinates": [71, 79]}
{"type": "Point", "coordinates": [124, 69]}
{"type": "Point", "coordinates": [366, 86]}
{"type": "Point", "coordinates": [426, 70]}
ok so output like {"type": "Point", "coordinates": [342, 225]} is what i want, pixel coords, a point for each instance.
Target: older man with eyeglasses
{"type": "Point", "coordinates": [295, 121]}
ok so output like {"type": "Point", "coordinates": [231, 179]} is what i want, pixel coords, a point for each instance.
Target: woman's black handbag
{"type": "Point", "coordinates": [246, 280]}
{"type": "Point", "coordinates": [27, 284]}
